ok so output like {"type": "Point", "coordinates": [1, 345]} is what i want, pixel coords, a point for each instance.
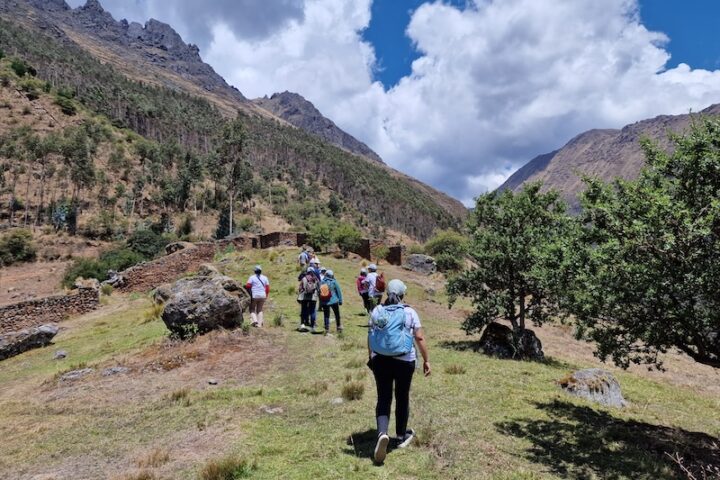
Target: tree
{"type": "Point", "coordinates": [232, 169]}
{"type": "Point", "coordinates": [644, 272]}
{"type": "Point", "coordinates": [509, 233]}
{"type": "Point", "coordinates": [449, 249]}
{"type": "Point", "coordinates": [320, 233]}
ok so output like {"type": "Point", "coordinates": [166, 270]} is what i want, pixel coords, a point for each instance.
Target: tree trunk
{"type": "Point", "coordinates": [27, 198]}
{"type": "Point", "coordinates": [42, 194]}
{"type": "Point", "coordinates": [522, 310]}
{"type": "Point", "coordinates": [232, 198]}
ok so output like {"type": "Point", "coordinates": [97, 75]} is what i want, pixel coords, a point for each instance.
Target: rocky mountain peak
{"type": "Point", "coordinates": [50, 5]}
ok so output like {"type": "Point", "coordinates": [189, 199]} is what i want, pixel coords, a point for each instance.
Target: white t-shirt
{"type": "Point", "coordinates": [258, 283]}
{"type": "Point", "coordinates": [371, 279]}
{"type": "Point", "coordinates": [412, 322]}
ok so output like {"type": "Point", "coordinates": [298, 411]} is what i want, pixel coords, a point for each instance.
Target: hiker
{"type": "Point", "coordinates": [307, 297]}
{"type": "Point", "coordinates": [314, 264]}
{"type": "Point", "coordinates": [331, 298]}
{"type": "Point", "coordinates": [394, 329]}
{"type": "Point", "coordinates": [376, 285]}
{"type": "Point", "coordinates": [323, 272]}
{"type": "Point", "coordinates": [259, 287]}
{"type": "Point", "coordinates": [362, 289]}
{"type": "Point", "coordinates": [304, 258]}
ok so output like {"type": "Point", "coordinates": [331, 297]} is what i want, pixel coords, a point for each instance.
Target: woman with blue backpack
{"type": "Point", "coordinates": [330, 298]}
{"type": "Point", "coordinates": [394, 330]}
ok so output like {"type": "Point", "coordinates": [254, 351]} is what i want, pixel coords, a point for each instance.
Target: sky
{"type": "Point", "coordinates": [459, 93]}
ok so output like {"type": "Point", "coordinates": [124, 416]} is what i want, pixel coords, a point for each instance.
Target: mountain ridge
{"type": "Point", "coordinates": [603, 153]}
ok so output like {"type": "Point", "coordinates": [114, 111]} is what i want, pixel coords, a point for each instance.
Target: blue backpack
{"type": "Point", "coordinates": [389, 335]}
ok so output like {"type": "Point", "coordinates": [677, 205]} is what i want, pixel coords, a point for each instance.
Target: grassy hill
{"type": "Point", "coordinates": [477, 417]}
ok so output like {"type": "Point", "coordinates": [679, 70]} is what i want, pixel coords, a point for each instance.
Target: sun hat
{"type": "Point", "coordinates": [329, 273]}
{"type": "Point", "coordinates": [397, 287]}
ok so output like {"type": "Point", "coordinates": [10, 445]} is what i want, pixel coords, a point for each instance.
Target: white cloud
{"type": "Point", "coordinates": [496, 83]}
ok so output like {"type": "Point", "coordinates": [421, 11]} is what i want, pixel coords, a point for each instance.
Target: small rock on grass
{"type": "Point", "coordinates": [271, 410]}
{"type": "Point", "coordinates": [337, 401]}
{"type": "Point", "coordinates": [75, 374]}
{"type": "Point", "coordinates": [114, 371]}
{"type": "Point", "coordinates": [60, 354]}
{"type": "Point", "coordinates": [212, 381]}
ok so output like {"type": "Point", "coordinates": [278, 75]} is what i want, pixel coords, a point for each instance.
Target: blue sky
{"type": "Point", "coordinates": [692, 27]}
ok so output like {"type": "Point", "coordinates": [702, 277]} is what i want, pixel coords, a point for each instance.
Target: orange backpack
{"type": "Point", "coordinates": [325, 293]}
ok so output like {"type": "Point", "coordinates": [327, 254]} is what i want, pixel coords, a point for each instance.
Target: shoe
{"type": "Point", "coordinates": [381, 448]}
{"type": "Point", "coordinates": [313, 330]}
{"type": "Point", "coordinates": [303, 328]}
{"type": "Point", "coordinates": [254, 324]}
{"type": "Point", "coordinates": [405, 441]}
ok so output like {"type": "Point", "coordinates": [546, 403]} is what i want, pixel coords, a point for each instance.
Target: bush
{"type": "Point", "coordinates": [106, 289]}
{"type": "Point", "coordinates": [17, 246]}
{"type": "Point", "coordinates": [449, 249]}
{"type": "Point", "coordinates": [416, 249]}
{"type": "Point", "coordinates": [347, 237]}
{"type": "Point", "coordinates": [320, 233]}
{"type": "Point", "coordinates": [97, 268]}
{"type": "Point", "coordinates": [186, 227]}
{"type": "Point", "coordinates": [228, 468]}
{"type": "Point", "coordinates": [67, 106]}
{"type": "Point", "coordinates": [99, 226]}
{"type": "Point", "coordinates": [353, 391]}
{"type": "Point", "coordinates": [146, 243]}
{"type": "Point", "coordinates": [19, 67]}
{"type": "Point", "coordinates": [379, 252]}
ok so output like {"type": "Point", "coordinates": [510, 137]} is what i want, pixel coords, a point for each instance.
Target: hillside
{"type": "Point", "coordinates": [275, 403]}
{"type": "Point", "coordinates": [171, 99]}
{"type": "Point", "coordinates": [606, 154]}
{"type": "Point", "coordinates": [299, 112]}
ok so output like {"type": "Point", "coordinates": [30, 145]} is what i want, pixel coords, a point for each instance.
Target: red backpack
{"type": "Point", "coordinates": [380, 283]}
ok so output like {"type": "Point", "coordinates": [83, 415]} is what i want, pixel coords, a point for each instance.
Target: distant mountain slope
{"type": "Point", "coordinates": [298, 111]}
{"type": "Point", "coordinates": [148, 80]}
{"type": "Point", "coordinates": [606, 154]}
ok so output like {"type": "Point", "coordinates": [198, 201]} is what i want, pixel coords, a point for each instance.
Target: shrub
{"type": "Point", "coordinates": [320, 233]}
{"type": "Point", "coordinates": [67, 106]}
{"type": "Point", "coordinates": [26, 110]}
{"type": "Point", "coordinates": [379, 252]}
{"type": "Point", "coordinates": [228, 468]}
{"type": "Point", "coordinates": [449, 249]}
{"type": "Point", "coordinates": [416, 249]}
{"type": "Point", "coordinates": [279, 319]}
{"type": "Point", "coordinates": [146, 242]}
{"type": "Point", "coordinates": [353, 391]}
{"type": "Point", "coordinates": [17, 246]}
{"type": "Point", "coordinates": [106, 289]}
{"type": "Point", "coordinates": [347, 237]}
{"type": "Point", "coordinates": [19, 67]}
{"type": "Point", "coordinates": [97, 268]}
{"type": "Point", "coordinates": [186, 227]}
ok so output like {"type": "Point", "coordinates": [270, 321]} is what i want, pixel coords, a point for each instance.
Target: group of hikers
{"type": "Point", "coordinates": [394, 331]}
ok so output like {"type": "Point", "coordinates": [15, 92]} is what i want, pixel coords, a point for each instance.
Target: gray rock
{"type": "Point", "coordinates": [207, 270]}
{"type": "Point", "coordinates": [60, 354]}
{"type": "Point", "coordinates": [419, 263]}
{"type": "Point", "coordinates": [114, 371]}
{"type": "Point", "coordinates": [271, 410]}
{"type": "Point", "coordinates": [212, 381]}
{"type": "Point", "coordinates": [15, 343]}
{"type": "Point", "coordinates": [204, 303]}
{"type": "Point", "coordinates": [337, 401]}
{"type": "Point", "coordinates": [595, 385]}
{"type": "Point", "coordinates": [76, 374]}
{"type": "Point", "coordinates": [500, 341]}
{"type": "Point", "coordinates": [115, 279]}
{"type": "Point", "coordinates": [177, 246]}
{"type": "Point", "coordinates": [162, 294]}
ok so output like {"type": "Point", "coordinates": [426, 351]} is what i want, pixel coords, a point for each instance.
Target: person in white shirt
{"type": "Point", "coordinates": [396, 371]}
{"type": "Point", "coordinates": [259, 287]}
{"type": "Point", "coordinates": [374, 296]}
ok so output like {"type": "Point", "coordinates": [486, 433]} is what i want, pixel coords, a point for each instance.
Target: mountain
{"type": "Point", "coordinates": [146, 79]}
{"type": "Point", "coordinates": [606, 154]}
{"type": "Point", "coordinates": [297, 111]}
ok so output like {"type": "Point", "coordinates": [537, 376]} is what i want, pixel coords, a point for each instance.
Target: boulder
{"type": "Point", "coordinates": [115, 279]}
{"type": "Point", "coordinates": [500, 341]}
{"type": "Point", "coordinates": [162, 293]}
{"type": "Point", "coordinates": [76, 374]}
{"type": "Point", "coordinates": [15, 343]}
{"type": "Point", "coordinates": [203, 303]}
{"type": "Point", "coordinates": [419, 263]}
{"type": "Point", "coordinates": [207, 270]}
{"type": "Point", "coordinates": [595, 385]}
{"type": "Point", "coordinates": [177, 246]}
{"type": "Point", "coordinates": [87, 283]}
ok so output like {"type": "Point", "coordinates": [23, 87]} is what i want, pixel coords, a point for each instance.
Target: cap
{"type": "Point", "coordinates": [363, 270]}
{"type": "Point", "coordinates": [323, 269]}
{"type": "Point", "coordinates": [258, 268]}
{"type": "Point", "coordinates": [372, 267]}
{"type": "Point", "coordinates": [330, 273]}
{"type": "Point", "coordinates": [397, 287]}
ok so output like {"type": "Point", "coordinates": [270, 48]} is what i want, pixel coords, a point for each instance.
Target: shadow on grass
{"type": "Point", "coordinates": [580, 442]}
{"type": "Point", "coordinates": [362, 444]}
{"type": "Point", "coordinates": [461, 345]}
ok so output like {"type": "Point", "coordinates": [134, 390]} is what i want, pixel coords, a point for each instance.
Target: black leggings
{"type": "Point", "coordinates": [326, 315]}
{"type": "Point", "coordinates": [388, 370]}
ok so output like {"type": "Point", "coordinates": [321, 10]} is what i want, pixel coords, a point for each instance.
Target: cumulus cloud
{"type": "Point", "coordinates": [497, 82]}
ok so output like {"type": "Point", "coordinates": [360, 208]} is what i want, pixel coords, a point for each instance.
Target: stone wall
{"type": "Point", "coordinates": [282, 239]}
{"type": "Point", "coordinates": [363, 249]}
{"type": "Point", "coordinates": [52, 309]}
{"type": "Point", "coordinates": [395, 254]}
{"type": "Point", "coordinates": [148, 275]}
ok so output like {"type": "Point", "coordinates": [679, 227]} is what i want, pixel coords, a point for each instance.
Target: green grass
{"type": "Point", "coordinates": [476, 417]}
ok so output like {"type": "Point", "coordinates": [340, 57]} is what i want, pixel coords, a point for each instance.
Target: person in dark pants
{"type": "Point", "coordinates": [330, 298]}
{"type": "Point", "coordinates": [362, 288]}
{"type": "Point", "coordinates": [394, 368]}
{"type": "Point", "coordinates": [307, 297]}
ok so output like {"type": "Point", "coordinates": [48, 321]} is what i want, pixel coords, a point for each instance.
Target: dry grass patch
{"type": "Point", "coordinates": [353, 391]}
{"type": "Point", "coordinates": [228, 468]}
{"type": "Point", "coordinates": [315, 388]}
{"type": "Point", "coordinates": [156, 457]}
{"type": "Point", "coordinates": [455, 369]}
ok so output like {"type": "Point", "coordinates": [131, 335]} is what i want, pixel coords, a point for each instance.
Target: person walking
{"type": "Point", "coordinates": [308, 297]}
{"type": "Point", "coordinates": [375, 293]}
{"type": "Point", "coordinates": [331, 298]}
{"type": "Point", "coordinates": [303, 258]}
{"type": "Point", "coordinates": [362, 289]}
{"type": "Point", "coordinates": [259, 287]}
{"type": "Point", "coordinates": [394, 330]}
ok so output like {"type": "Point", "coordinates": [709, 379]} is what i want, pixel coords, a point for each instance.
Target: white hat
{"type": "Point", "coordinates": [330, 273]}
{"type": "Point", "coordinates": [323, 269]}
{"type": "Point", "coordinates": [397, 287]}
{"type": "Point", "coordinates": [372, 267]}
{"type": "Point", "coordinates": [363, 270]}
{"type": "Point", "coordinates": [258, 268]}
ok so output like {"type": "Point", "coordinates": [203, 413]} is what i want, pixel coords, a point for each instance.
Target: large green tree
{"type": "Point", "coordinates": [230, 168]}
{"type": "Point", "coordinates": [509, 234]}
{"type": "Point", "coordinates": [643, 275]}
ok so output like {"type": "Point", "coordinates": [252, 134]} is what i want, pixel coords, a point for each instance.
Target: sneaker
{"type": "Point", "coordinates": [302, 328]}
{"type": "Point", "coordinates": [254, 324]}
{"type": "Point", "coordinates": [407, 439]}
{"type": "Point", "coordinates": [381, 448]}
{"type": "Point", "coordinates": [313, 330]}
